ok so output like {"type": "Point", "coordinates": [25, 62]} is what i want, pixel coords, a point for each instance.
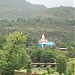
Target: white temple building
{"type": "Point", "coordinates": [43, 41]}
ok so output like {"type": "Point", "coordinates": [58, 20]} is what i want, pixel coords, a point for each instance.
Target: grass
{"type": "Point", "coordinates": [38, 70]}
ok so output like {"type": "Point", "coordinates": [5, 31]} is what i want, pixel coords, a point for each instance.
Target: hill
{"type": "Point", "coordinates": [57, 24]}
{"type": "Point", "coordinates": [58, 12]}
{"type": "Point", "coordinates": [13, 9]}
{"type": "Point", "coordinates": [19, 15]}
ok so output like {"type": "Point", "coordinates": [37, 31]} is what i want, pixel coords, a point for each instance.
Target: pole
{"type": "Point", "coordinates": [42, 46]}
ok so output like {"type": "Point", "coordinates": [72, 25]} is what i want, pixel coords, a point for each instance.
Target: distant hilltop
{"type": "Point", "coordinates": [14, 9]}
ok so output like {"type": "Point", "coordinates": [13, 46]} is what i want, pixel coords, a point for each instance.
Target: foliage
{"type": "Point", "coordinates": [14, 56]}
{"type": "Point", "coordinates": [47, 56]}
{"type": "Point", "coordinates": [49, 70]}
{"type": "Point", "coordinates": [69, 72]}
{"type": "Point", "coordinates": [71, 66]}
{"type": "Point", "coordinates": [29, 67]}
{"type": "Point", "coordinates": [2, 41]}
{"type": "Point", "coordinates": [21, 9]}
{"type": "Point", "coordinates": [71, 54]}
{"type": "Point", "coordinates": [61, 64]}
{"type": "Point", "coordinates": [36, 55]}
{"type": "Point", "coordinates": [44, 56]}
{"type": "Point", "coordinates": [57, 26]}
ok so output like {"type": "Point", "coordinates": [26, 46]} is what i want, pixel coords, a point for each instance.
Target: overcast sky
{"type": "Point", "coordinates": [53, 3]}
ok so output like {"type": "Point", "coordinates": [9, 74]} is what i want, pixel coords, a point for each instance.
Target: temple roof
{"type": "Point", "coordinates": [43, 36]}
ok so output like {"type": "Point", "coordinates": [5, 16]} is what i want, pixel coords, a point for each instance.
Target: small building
{"type": "Point", "coordinates": [44, 42]}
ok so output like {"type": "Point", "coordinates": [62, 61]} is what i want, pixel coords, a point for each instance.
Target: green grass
{"type": "Point", "coordinates": [38, 70]}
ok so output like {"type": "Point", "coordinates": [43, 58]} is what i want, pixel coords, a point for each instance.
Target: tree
{"type": "Point", "coordinates": [71, 54]}
{"type": "Point", "coordinates": [29, 66]}
{"type": "Point", "coordinates": [36, 55]}
{"type": "Point", "coordinates": [47, 56]}
{"type": "Point", "coordinates": [14, 56]}
{"type": "Point", "coordinates": [49, 70]}
{"type": "Point", "coordinates": [61, 64]}
{"type": "Point", "coordinates": [2, 41]}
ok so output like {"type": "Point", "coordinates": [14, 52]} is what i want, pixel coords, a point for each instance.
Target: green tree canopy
{"type": "Point", "coordinates": [14, 56]}
{"type": "Point", "coordinates": [61, 64]}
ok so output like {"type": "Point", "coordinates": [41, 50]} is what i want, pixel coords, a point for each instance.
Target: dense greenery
{"type": "Point", "coordinates": [13, 56]}
{"type": "Point", "coordinates": [18, 49]}
{"type": "Point", "coordinates": [2, 41]}
{"type": "Point", "coordinates": [57, 23]}
{"type": "Point", "coordinates": [23, 9]}
{"type": "Point", "coordinates": [61, 64]}
{"type": "Point", "coordinates": [71, 54]}
{"type": "Point", "coordinates": [18, 9]}
{"type": "Point", "coordinates": [36, 27]}
{"type": "Point", "coordinates": [45, 55]}
{"type": "Point", "coordinates": [64, 64]}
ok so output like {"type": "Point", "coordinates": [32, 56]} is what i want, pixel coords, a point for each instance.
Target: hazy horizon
{"type": "Point", "coordinates": [53, 3]}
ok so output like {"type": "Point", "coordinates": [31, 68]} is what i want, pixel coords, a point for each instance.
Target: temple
{"type": "Point", "coordinates": [44, 42]}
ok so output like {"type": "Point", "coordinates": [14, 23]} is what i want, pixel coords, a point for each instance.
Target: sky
{"type": "Point", "coordinates": [53, 3]}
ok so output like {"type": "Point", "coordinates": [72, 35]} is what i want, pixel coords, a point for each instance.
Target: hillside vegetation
{"type": "Point", "coordinates": [13, 9]}
{"type": "Point", "coordinates": [56, 23]}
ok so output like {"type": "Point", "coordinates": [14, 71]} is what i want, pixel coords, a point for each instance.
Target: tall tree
{"type": "Point", "coordinates": [61, 64]}
{"type": "Point", "coordinates": [14, 56]}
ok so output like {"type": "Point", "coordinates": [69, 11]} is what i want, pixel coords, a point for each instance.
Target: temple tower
{"type": "Point", "coordinates": [43, 41]}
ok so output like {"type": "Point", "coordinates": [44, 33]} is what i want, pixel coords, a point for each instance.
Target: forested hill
{"type": "Point", "coordinates": [57, 24]}
{"type": "Point", "coordinates": [58, 12]}
{"type": "Point", "coordinates": [34, 20]}
{"type": "Point", "coordinates": [13, 9]}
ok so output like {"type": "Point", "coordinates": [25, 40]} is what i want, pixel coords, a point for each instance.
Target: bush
{"type": "Point", "coordinates": [47, 56]}
{"type": "Point", "coordinates": [61, 64]}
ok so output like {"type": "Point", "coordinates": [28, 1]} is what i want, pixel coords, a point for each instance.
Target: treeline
{"type": "Point", "coordinates": [56, 30]}
{"type": "Point", "coordinates": [37, 21]}
{"type": "Point", "coordinates": [33, 44]}
{"type": "Point", "coordinates": [48, 55]}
